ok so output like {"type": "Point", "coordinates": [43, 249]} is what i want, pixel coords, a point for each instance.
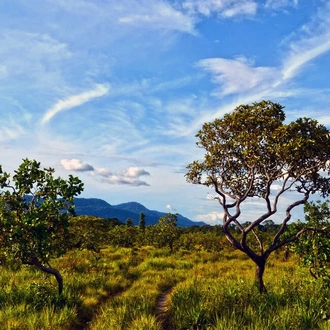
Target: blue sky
{"type": "Point", "coordinates": [115, 91]}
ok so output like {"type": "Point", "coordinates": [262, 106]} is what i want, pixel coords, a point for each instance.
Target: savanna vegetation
{"type": "Point", "coordinates": [150, 287]}
{"type": "Point", "coordinates": [109, 274]}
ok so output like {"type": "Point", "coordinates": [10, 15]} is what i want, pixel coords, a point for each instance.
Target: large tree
{"type": "Point", "coordinates": [35, 209]}
{"type": "Point", "coordinates": [252, 153]}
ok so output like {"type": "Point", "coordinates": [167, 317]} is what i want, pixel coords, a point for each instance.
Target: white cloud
{"type": "Point", "coordinates": [280, 4]}
{"type": "Point", "coordinates": [115, 179]}
{"type": "Point", "coordinates": [213, 218]}
{"type": "Point", "coordinates": [130, 176]}
{"type": "Point", "coordinates": [157, 15]}
{"type": "Point", "coordinates": [224, 8]}
{"type": "Point", "coordinates": [74, 101]}
{"type": "Point", "coordinates": [32, 56]}
{"type": "Point", "coordinates": [102, 172]}
{"type": "Point", "coordinates": [169, 207]}
{"type": "Point", "coordinates": [135, 172]}
{"type": "Point", "coordinates": [245, 8]}
{"type": "Point", "coordinates": [76, 165]}
{"type": "Point", "coordinates": [311, 41]}
{"type": "Point", "coordinates": [10, 133]}
{"type": "Point", "coordinates": [238, 75]}
{"type": "Point", "coordinates": [32, 45]}
{"type": "Point", "coordinates": [324, 120]}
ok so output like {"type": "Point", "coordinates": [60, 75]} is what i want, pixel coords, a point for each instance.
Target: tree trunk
{"type": "Point", "coordinates": [259, 275]}
{"type": "Point", "coordinates": [35, 262]}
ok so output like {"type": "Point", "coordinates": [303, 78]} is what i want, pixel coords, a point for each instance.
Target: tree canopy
{"type": "Point", "coordinates": [252, 153]}
{"type": "Point", "coordinates": [34, 214]}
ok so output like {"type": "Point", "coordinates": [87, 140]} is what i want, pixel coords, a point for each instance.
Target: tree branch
{"type": "Point", "coordinates": [296, 237]}
{"type": "Point", "coordinates": [288, 217]}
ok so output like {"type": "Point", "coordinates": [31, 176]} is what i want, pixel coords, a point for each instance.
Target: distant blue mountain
{"type": "Point", "coordinates": [100, 208]}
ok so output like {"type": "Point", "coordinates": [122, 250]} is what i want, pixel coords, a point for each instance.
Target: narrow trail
{"type": "Point", "coordinates": [161, 309]}
{"type": "Point", "coordinates": [85, 319]}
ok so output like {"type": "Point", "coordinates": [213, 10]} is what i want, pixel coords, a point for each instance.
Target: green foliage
{"type": "Point", "coordinates": [123, 236]}
{"type": "Point", "coordinates": [142, 221]}
{"type": "Point", "coordinates": [251, 147]}
{"type": "Point", "coordinates": [247, 154]}
{"type": "Point", "coordinates": [211, 240]}
{"type": "Point", "coordinates": [34, 211]}
{"type": "Point", "coordinates": [129, 222]}
{"type": "Point", "coordinates": [166, 230]}
{"type": "Point", "coordinates": [87, 232]}
{"type": "Point", "coordinates": [313, 246]}
{"type": "Point", "coordinates": [35, 208]}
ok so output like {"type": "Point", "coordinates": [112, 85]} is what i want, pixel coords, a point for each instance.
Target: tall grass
{"type": "Point", "coordinates": [120, 289]}
{"type": "Point", "coordinates": [231, 300]}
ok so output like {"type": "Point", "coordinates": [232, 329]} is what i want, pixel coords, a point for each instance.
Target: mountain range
{"type": "Point", "coordinates": [100, 208]}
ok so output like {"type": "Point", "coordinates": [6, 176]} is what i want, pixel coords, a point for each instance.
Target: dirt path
{"type": "Point", "coordinates": [161, 309]}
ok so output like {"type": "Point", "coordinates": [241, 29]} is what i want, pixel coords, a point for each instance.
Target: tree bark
{"type": "Point", "coordinates": [35, 262]}
{"type": "Point", "coordinates": [259, 275]}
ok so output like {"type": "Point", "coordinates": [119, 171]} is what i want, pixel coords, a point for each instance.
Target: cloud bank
{"type": "Point", "coordinates": [130, 176]}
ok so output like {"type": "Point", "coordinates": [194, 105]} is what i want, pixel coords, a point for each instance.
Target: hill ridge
{"type": "Point", "coordinates": [100, 208]}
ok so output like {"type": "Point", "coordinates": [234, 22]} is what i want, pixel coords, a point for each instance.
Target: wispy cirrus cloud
{"type": "Point", "coordinates": [280, 4]}
{"type": "Point", "coordinates": [223, 8]}
{"type": "Point", "coordinates": [11, 132]}
{"type": "Point", "coordinates": [238, 75]}
{"type": "Point", "coordinates": [309, 42]}
{"type": "Point", "coordinates": [31, 56]}
{"type": "Point", "coordinates": [151, 14]}
{"type": "Point", "coordinates": [163, 15]}
{"type": "Point", "coordinates": [158, 15]}
{"type": "Point", "coordinates": [241, 76]}
{"type": "Point", "coordinates": [77, 6]}
{"type": "Point", "coordinates": [74, 101]}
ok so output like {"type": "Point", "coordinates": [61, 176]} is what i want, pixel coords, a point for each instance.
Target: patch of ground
{"type": "Point", "coordinates": [161, 308]}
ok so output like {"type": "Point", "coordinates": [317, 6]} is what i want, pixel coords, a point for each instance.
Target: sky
{"type": "Point", "coordinates": [115, 91]}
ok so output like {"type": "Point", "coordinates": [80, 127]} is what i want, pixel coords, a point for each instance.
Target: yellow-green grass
{"type": "Point", "coordinates": [120, 289]}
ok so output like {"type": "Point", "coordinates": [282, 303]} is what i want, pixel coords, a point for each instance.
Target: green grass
{"type": "Point", "coordinates": [120, 289]}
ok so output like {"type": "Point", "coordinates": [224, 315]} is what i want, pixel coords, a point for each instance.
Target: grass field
{"type": "Point", "coordinates": [151, 289]}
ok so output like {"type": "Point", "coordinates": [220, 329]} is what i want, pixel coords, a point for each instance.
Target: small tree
{"type": "Point", "coordinates": [34, 214]}
{"type": "Point", "coordinates": [80, 235]}
{"type": "Point", "coordinates": [250, 153]}
{"type": "Point", "coordinates": [142, 221]}
{"type": "Point", "coordinates": [129, 222]}
{"type": "Point", "coordinates": [123, 236]}
{"type": "Point", "coordinates": [167, 231]}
